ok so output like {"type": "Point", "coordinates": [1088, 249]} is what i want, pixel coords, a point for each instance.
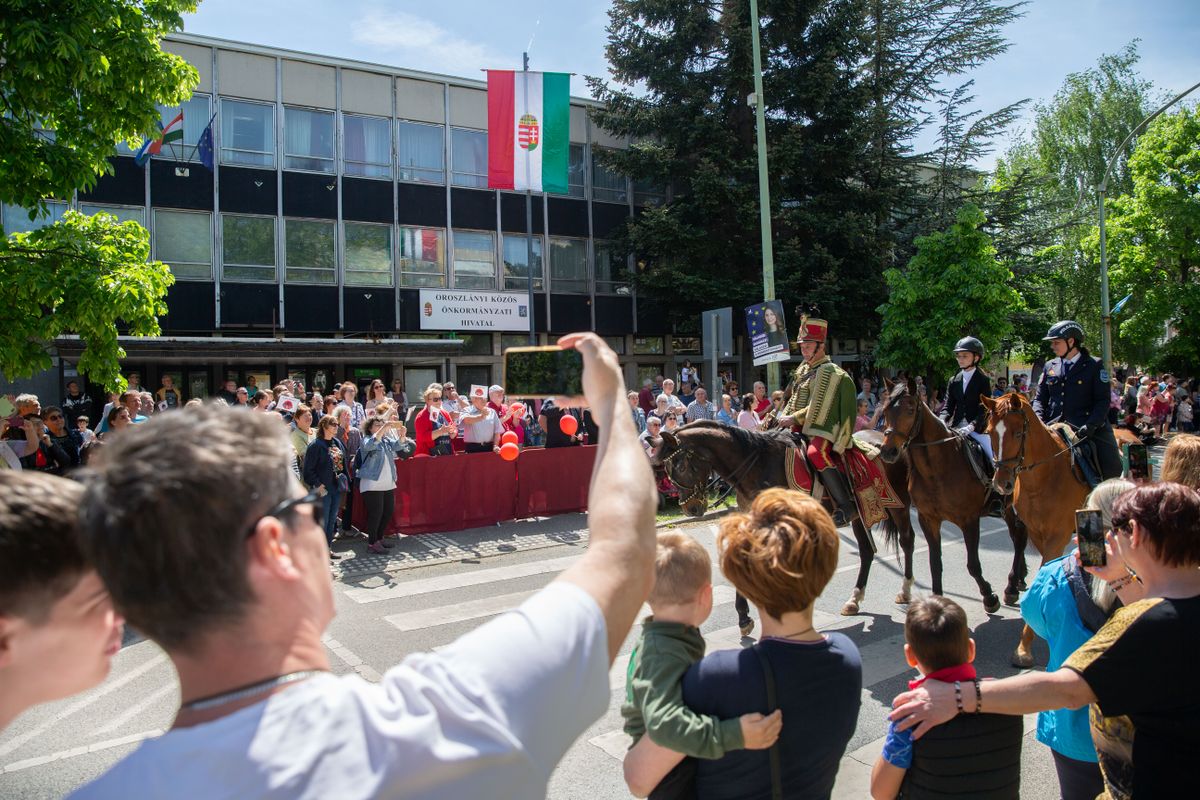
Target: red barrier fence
{"type": "Point", "coordinates": [453, 493]}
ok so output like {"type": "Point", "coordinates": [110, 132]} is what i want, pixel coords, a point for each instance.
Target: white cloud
{"type": "Point", "coordinates": [422, 44]}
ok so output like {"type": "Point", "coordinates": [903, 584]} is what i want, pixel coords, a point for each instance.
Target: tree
{"type": "Point", "coordinates": [76, 77]}
{"type": "Point", "coordinates": [953, 287]}
{"type": "Point", "coordinates": [1154, 241]}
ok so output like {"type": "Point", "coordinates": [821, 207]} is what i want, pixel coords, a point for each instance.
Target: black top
{"type": "Point", "coordinates": [318, 463]}
{"type": "Point", "coordinates": [554, 435]}
{"type": "Point", "coordinates": [962, 403]}
{"type": "Point", "coordinates": [971, 757]}
{"type": "Point", "coordinates": [818, 687]}
{"type": "Point", "coordinates": [1078, 396]}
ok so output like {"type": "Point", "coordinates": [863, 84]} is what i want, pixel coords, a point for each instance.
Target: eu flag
{"type": "Point", "coordinates": [204, 147]}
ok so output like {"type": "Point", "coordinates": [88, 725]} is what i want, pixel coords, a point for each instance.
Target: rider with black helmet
{"type": "Point", "coordinates": [963, 410]}
{"type": "Point", "coordinates": [1074, 389]}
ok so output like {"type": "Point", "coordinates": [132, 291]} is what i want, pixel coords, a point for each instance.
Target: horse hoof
{"type": "Point", "coordinates": [1022, 660]}
{"type": "Point", "coordinates": [991, 604]}
{"type": "Point", "coordinates": [1022, 585]}
{"type": "Point", "coordinates": [746, 625]}
{"type": "Point", "coordinates": [850, 609]}
{"type": "Point", "coordinates": [905, 595]}
{"type": "Point", "coordinates": [1011, 598]}
{"type": "Point", "coordinates": [903, 599]}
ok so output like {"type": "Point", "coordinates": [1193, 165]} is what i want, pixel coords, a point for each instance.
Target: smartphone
{"type": "Point", "coordinates": [542, 372]}
{"type": "Point", "coordinates": [1139, 463]}
{"type": "Point", "coordinates": [1089, 531]}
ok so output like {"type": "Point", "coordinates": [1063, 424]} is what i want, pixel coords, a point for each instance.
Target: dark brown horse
{"type": "Point", "coordinates": [1034, 466]}
{"type": "Point", "coordinates": [944, 488]}
{"type": "Point", "coordinates": [751, 461]}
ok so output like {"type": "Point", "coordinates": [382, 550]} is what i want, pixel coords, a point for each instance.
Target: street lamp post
{"type": "Point", "coordinates": [1101, 191]}
{"type": "Point", "coordinates": [764, 188]}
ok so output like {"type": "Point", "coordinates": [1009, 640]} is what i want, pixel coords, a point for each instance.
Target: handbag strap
{"type": "Point", "coordinates": [773, 752]}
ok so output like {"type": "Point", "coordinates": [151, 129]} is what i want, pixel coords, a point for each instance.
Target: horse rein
{"type": "Point", "coordinates": [695, 492]}
{"type": "Point", "coordinates": [914, 430]}
{"type": "Point", "coordinates": [1018, 461]}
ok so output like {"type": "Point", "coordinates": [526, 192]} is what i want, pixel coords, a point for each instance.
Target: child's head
{"type": "Point", "coordinates": [682, 576]}
{"type": "Point", "coordinates": [862, 407]}
{"type": "Point", "coordinates": [937, 635]}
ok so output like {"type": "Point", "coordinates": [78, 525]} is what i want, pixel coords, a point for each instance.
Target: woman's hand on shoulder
{"type": "Point", "coordinates": [761, 732]}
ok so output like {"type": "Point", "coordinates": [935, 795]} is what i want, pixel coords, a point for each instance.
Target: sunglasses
{"type": "Point", "coordinates": [315, 497]}
{"type": "Point", "coordinates": [53, 417]}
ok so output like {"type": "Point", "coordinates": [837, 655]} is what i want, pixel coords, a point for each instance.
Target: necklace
{"type": "Point", "coordinates": [250, 690]}
{"type": "Point", "coordinates": [790, 635]}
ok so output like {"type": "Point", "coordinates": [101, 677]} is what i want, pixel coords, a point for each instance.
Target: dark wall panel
{"type": "Point", "coordinates": [126, 186]}
{"type": "Point", "coordinates": [247, 191]}
{"type": "Point", "coordinates": [366, 314]}
{"type": "Point", "coordinates": [568, 217]}
{"type": "Point", "coordinates": [512, 213]}
{"type": "Point", "coordinates": [614, 315]}
{"type": "Point", "coordinates": [606, 217]}
{"type": "Point", "coordinates": [650, 320]}
{"type": "Point", "coordinates": [168, 190]}
{"type": "Point", "coordinates": [190, 308]}
{"type": "Point", "coordinates": [471, 208]}
{"type": "Point", "coordinates": [570, 312]}
{"type": "Point", "coordinates": [419, 204]}
{"type": "Point", "coordinates": [310, 308]}
{"type": "Point", "coordinates": [309, 195]}
{"type": "Point", "coordinates": [257, 304]}
{"type": "Point", "coordinates": [367, 201]}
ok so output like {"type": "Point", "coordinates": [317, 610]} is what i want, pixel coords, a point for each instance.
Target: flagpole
{"type": "Point", "coordinates": [528, 204]}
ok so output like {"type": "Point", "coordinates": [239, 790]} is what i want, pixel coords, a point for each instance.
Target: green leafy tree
{"type": "Point", "coordinates": [76, 77]}
{"type": "Point", "coordinates": [1154, 242]}
{"type": "Point", "coordinates": [953, 287]}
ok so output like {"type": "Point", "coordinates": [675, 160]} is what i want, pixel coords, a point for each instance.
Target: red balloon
{"type": "Point", "coordinates": [568, 425]}
{"type": "Point", "coordinates": [509, 451]}
{"type": "Point", "coordinates": [508, 437]}
{"type": "Point", "coordinates": [518, 409]}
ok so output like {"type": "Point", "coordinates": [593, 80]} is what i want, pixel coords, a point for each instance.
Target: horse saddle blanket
{"type": "Point", "coordinates": [1080, 449]}
{"type": "Point", "coordinates": [872, 489]}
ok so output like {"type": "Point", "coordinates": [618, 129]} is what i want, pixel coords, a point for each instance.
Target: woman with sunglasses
{"type": "Point", "coordinates": [435, 431]}
{"type": "Point", "coordinates": [376, 394]}
{"type": "Point", "coordinates": [325, 465]}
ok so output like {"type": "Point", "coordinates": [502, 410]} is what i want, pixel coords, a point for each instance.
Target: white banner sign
{"type": "Point", "coordinates": [447, 310]}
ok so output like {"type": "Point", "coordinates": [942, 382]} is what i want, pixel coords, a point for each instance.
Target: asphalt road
{"type": "Point", "coordinates": [435, 587]}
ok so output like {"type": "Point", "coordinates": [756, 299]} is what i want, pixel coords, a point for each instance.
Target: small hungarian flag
{"type": "Point", "coordinates": [529, 117]}
{"type": "Point", "coordinates": [171, 132]}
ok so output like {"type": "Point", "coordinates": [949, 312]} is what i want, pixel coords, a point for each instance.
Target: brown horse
{"type": "Point", "coordinates": [944, 488]}
{"type": "Point", "coordinates": [750, 461]}
{"type": "Point", "coordinates": [1034, 466]}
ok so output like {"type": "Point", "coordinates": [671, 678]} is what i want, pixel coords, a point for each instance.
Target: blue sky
{"type": "Point", "coordinates": [461, 37]}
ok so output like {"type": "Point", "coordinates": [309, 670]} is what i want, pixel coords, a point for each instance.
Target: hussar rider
{"type": "Point", "coordinates": [823, 406]}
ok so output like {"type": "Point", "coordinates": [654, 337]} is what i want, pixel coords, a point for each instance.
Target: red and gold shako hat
{"type": "Point", "coordinates": [813, 330]}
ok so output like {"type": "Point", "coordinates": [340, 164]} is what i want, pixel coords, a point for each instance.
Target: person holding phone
{"type": "Point", "coordinates": [384, 439]}
{"type": "Point", "coordinates": [435, 430]}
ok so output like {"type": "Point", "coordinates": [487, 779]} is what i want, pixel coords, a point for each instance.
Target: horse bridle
{"type": "Point", "coordinates": [1017, 462]}
{"type": "Point", "coordinates": [697, 491]}
{"type": "Point", "coordinates": [914, 431]}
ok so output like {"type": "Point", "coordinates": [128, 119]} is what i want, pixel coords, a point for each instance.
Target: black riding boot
{"type": "Point", "coordinates": [846, 510]}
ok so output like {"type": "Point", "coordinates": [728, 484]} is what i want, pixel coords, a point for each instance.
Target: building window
{"type": "Point", "coordinates": [122, 213]}
{"type": "Point", "coordinates": [474, 260]}
{"type": "Point", "coordinates": [568, 265]}
{"type": "Point", "coordinates": [649, 193]}
{"type": "Point", "coordinates": [611, 273]}
{"type": "Point", "coordinates": [648, 345]}
{"type": "Point", "coordinates": [368, 254]}
{"type": "Point", "coordinates": [366, 146]}
{"type": "Point", "coordinates": [16, 219]}
{"type": "Point", "coordinates": [310, 248]}
{"type": "Point", "coordinates": [475, 344]}
{"type": "Point", "coordinates": [508, 340]}
{"type": "Point", "coordinates": [423, 258]}
{"type": "Point", "coordinates": [617, 343]}
{"type": "Point", "coordinates": [247, 133]}
{"type": "Point", "coordinates": [420, 155]}
{"type": "Point", "coordinates": [197, 112]}
{"type": "Point", "coordinates": [183, 241]}
{"type": "Point", "coordinates": [308, 140]}
{"type": "Point", "coordinates": [576, 165]}
{"type": "Point", "coordinates": [516, 263]}
{"type": "Point", "coordinates": [607, 183]}
{"type": "Point", "coordinates": [468, 157]}
{"type": "Point", "coordinates": [248, 251]}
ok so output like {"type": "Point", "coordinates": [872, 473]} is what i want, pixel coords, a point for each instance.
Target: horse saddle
{"type": "Point", "coordinates": [981, 465]}
{"type": "Point", "coordinates": [1084, 462]}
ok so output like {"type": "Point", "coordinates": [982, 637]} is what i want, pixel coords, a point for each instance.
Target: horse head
{"type": "Point", "coordinates": [689, 468]}
{"type": "Point", "coordinates": [902, 419]}
{"type": "Point", "coordinates": [1008, 426]}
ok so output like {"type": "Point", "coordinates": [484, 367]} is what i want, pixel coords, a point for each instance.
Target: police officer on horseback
{"type": "Point", "coordinates": [1074, 389]}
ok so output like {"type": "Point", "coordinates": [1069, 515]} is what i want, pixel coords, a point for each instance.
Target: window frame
{"type": "Point", "coordinates": [154, 254]}
{"type": "Point", "coordinates": [582, 185]}
{"type": "Point", "coordinates": [347, 271]}
{"type": "Point", "coordinates": [49, 220]}
{"type": "Point", "coordinates": [287, 267]}
{"type": "Point", "coordinates": [274, 246]}
{"type": "Point", "coordinates": [109, 207]}
{"type": "Point", "coordinates": [608, 287]}
{"type": "Point", "coordinates": [191, 152]}
{"type": "Point", "coordinates": [539, 277]}
{"type": "Point", "coordinates": [596, 167]}
{"type": "Point", "coordinates": [333, 132]}
{"type": "Point", "coordinates": [400, 167]}
{"type": "Point", "coordinates": [481, 177]}
{"type": "Point", "coordinates": [226, 148]}
{"type": "Point", "coordinates": [346, 162]}
{"type": "Point", "coordinates": [453, 258]}
{"type": "Point", "coordinates": [444, 273]}
{"type": "Point", "coordinates": [556, 283]}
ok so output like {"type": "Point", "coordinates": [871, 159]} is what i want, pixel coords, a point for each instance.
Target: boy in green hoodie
{"type": "Point", "coordinates": [670, 643]}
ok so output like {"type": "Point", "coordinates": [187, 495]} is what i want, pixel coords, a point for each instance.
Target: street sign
{"type": "Point", "coordinates": [721, 335]}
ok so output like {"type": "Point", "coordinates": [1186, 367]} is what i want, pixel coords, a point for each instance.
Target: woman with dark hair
{"type": "Point", "coordinates": [780, 555]}
{"type": "Point", "coordinates": [376, 394]}
{"type": "Point", "coordinates": [325, 465]}
{"type": "Point", "coordinates": [1134, 672]}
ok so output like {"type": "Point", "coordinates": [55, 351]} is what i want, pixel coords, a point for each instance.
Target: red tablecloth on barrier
{"type": "Point", "coordinates": [467, 491]}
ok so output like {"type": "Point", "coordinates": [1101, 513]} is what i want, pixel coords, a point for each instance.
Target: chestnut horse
{"type": "Point", "coordinates": [751, 461]}
{"type": "Point", "coordinates": [944, 488]}
{"type": "Point", "coordinates": [1034, 466]}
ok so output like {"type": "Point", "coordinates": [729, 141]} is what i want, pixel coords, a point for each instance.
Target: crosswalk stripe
{"type": "Point", "coordinates": [460, 579]}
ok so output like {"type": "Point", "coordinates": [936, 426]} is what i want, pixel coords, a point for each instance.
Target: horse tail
{"type": "Point", "coordinates": [891, 535]}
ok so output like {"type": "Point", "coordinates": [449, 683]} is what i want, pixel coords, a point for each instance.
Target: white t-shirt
{"type": "Point", "coordinates": [490, 717]}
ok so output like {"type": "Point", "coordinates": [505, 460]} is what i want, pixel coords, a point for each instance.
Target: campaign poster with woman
{"type": "Point", "coordinates": [768, 332]}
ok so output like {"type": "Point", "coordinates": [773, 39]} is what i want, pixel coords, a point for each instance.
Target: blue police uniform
{"type": "Point", "coordinates": [1079, 395]}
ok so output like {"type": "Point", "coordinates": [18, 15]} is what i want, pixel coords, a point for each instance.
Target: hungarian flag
{"type": "Point", "coordinates": [171, 132]}
{"type": "Point", "coordinates": [528, 130]}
